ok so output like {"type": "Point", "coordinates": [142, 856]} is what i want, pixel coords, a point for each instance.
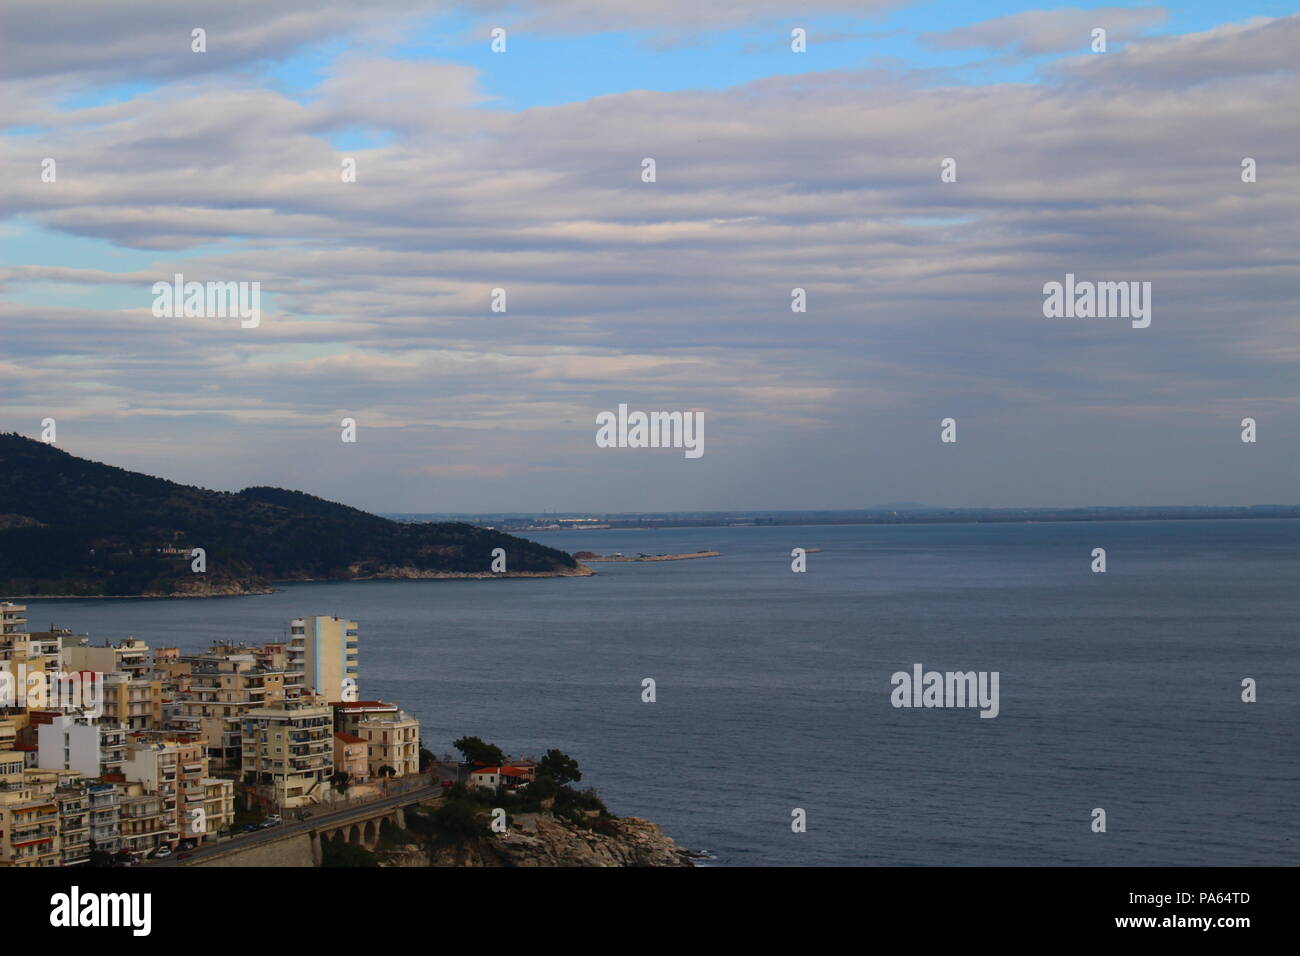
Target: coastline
{"type": "Point", "coordinates": [686, 556]}
{"type": "Point", "coordinates": [409, 574]}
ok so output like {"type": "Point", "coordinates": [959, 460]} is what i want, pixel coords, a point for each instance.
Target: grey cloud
{"type": "Point", "coordinates": [1035, 32]}
{"type": "Point", "coordinates": [924, 297]}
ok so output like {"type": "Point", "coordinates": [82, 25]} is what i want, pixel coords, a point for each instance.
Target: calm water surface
{"type": "Point", "coordinates": [1118, 690]}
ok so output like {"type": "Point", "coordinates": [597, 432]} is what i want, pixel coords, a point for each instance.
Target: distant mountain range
{"type": "Point", "coordinates": [69, 526]}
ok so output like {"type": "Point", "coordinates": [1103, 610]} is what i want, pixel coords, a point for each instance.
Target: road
{"type": "Point", "coordinates": [317, 820]}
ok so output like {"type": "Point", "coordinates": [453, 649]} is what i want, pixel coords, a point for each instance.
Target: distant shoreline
{"type": "Point", "coordinates": [912, 520]}
{"type": "Point", "coordinates": [653, 557]}
{"type": "Point", "coordinates": [580, 571]}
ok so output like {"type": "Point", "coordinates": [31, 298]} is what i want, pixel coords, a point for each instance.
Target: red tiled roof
{"type": "Point", "coordinates": [350, 738]}
{"type": "Point", "coordinates": [514, 771]}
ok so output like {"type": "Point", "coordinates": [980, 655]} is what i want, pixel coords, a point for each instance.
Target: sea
{"type": "Point", "coordinates": [772, 737]}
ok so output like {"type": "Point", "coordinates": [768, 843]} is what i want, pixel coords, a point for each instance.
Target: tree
{"type": "Point", "coordinates": [560, 767]}
{"type": "Point", "coordinates": [387, 771]}
{"type": "Point", "coordinates": [457, 818]}
{"type": "Point", "coordinates": [336, 853]}
{"type": "Point", "coordinates": [475, 750]}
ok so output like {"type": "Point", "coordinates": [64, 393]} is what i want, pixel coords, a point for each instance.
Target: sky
{"type": "Point", "coordinates": [522, 170]}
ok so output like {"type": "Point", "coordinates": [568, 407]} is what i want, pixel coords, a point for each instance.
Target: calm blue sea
{"type": "Point", "coordinates": [1118, 690]}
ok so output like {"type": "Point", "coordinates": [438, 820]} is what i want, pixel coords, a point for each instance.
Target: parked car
{"type": "Point", "coordinates": [162, 852]}
{"type": "Point", "coordinates": [184, 856]}
{"type": "Point", "coordinates": [273, 820]}
{"type": "Point", "coordinates": [248, 828]}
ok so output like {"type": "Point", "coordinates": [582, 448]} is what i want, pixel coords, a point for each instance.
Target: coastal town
{"type": "Point", "coordinates": [119, 753]}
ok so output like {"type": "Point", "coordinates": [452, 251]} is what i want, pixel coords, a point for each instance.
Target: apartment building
{"type": "Point", "coordinates": [102, 801]}
{"type": "Point", "coordinates": [221, 686]}
{"type": "Point", "coordinates": [74, 822]}
{"type": "Point", "coordinates": [348, 715]}
{"type": "Point", "coordinates": [173, 766]}
{"type": "Point", "coordinates": [29, 825]}
{"type": "Point", "coordinates": [218, 805]}
{"type": "Point", "coordinates": [91, 747]}
{"type": "Point", "coordinates": [135, 703]}
{"type": "Point", "coordinates": [392, 741]}
{"type": "Point", "coordinates": [324, 650]}
{"type": "Point", "coordinates": [39, 652]}
{"type": "Point", "coordinates": [287, 748]}
{"type": "Point", "coordinates": [131, 656]}
{"type": "Point", "coordinates": [13, 619]}
{"type": "Point", "coordinates": [12, 764]}
{"type": "Point", "coordinates": [351, 756]}
{"type": "Point", "coordinates": [143, 823]}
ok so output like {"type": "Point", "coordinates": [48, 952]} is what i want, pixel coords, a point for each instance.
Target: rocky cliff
{"type": "Point", "coordinates": [539, 839]}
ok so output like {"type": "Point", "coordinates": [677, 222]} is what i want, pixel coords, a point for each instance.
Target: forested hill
{"type": "Point", "coordinates": [77, 527]}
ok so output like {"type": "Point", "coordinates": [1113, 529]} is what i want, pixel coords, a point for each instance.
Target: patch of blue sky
{"type": "Point", "coordinates": [299, 76]}
{"type": "Point", "coordinates": [91, 97]}
{"type": "Point", "coordinates": [546, 69]}
{"type": "Point", "coordinates": [551, 68]}
{"type": "Point", "coordinates": [105, 296]}
{"type": "Point", "coordinates": [99, 296]}
{"type": "Point", "coordinates": [27, 243]}
{"type": "Point", "coordinates": [358, 137]}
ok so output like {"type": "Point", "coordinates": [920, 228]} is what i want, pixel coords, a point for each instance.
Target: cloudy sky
{"type": "Point", "coordinates": [522, 170]}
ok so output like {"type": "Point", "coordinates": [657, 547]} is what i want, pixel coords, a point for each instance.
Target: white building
{"type": "Point", "coordinates": [90, 747]}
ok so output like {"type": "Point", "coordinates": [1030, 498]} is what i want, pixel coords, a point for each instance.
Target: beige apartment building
{"type": "Point", "coordinates": [392, 737]}
{"type": "Point", "coordinates": [174, 766]}
{"type": "Point", "coordinates": [39, 652]}
{"type": "Point", "coordinates": [74, 822]}
{"type": "Point", "coordinates": [288, 749]}
{"type": "Point", "coordinates": [142, 821]}
{"type": "Point", "coordinates": [131, 702]}
{"type": "Point", "coordinates": [392, 741]}
{"type": "Point", "coordinates": [324, 650]}
{"type": "Point", "coordinates": [349, 714]}
{"type": "Point", "coordinates": [218, 805]}
{"type": "Point", "coordinates": [220, 688]}
{"type": "Point", "coordinates": [29, 825]}
{"type": "Point", "coordinates": [351, 756]}
{"type": "Point", "coordinates": [131, 656]}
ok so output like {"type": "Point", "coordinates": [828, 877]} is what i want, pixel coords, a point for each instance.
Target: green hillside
{"type": "Point", "coordinates": [72, 526]}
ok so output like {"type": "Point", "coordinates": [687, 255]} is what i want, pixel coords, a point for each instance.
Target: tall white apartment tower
{"type": "Point", "coordinates": [324, 650]}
